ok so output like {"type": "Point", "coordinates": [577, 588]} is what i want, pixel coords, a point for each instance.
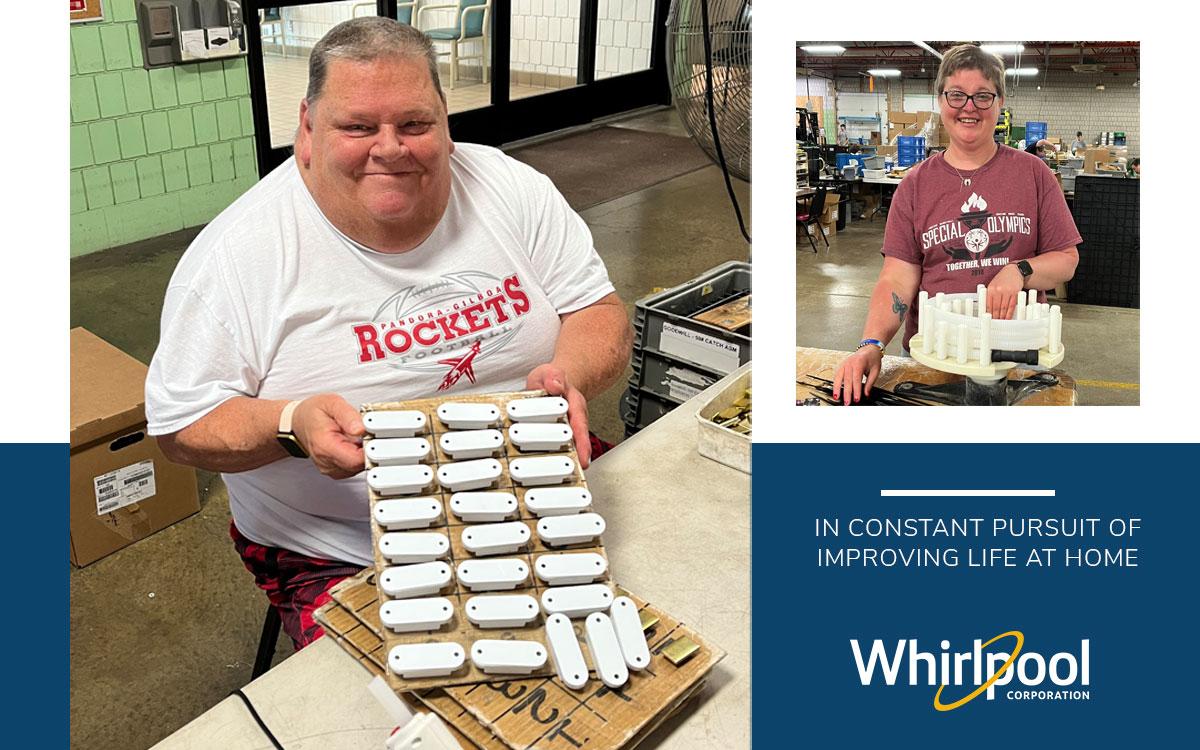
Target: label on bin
{"type": "Point", "coordinates": [126, 486]}
{"type": "Point", "coordinates": [700, 348]}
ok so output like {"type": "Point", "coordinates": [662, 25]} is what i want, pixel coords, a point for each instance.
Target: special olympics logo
{"type": "Point", "coordinates": [977, 240]}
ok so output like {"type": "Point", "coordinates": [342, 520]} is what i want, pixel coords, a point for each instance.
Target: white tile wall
{"type": "Point", "coordinates": [545, 37]}
{"type": "Point", "coordinates": [624, 35]}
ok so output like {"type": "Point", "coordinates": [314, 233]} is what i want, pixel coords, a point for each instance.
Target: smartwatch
{"type": "Point", "coordinates": [285, 436]}
{"type": "Point", "coordinates": [1026, 271]}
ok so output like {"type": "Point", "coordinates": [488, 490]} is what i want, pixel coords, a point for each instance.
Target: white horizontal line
{"type": "Point", "coordinates": [966, 493]}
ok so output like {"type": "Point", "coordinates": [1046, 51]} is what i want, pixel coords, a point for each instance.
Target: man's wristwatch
{"type": "Point", "coordinates": [1026, 271]}
{"type": "Point", "coordinates": [286, 437]}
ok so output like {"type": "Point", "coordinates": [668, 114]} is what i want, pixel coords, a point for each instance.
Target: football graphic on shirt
{"type": "Point", "coordinates": [447, 326]}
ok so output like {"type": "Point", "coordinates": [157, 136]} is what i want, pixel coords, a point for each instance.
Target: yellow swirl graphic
{"type": "Point", "coordinates": [937, 697]}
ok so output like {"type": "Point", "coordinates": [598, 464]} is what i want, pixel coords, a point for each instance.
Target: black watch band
{"type": "Point", "coordinates": [1025, 269]}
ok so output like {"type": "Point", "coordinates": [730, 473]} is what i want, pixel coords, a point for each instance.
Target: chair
{"type": "Point", "coordinates": [470, 25]}
{"type": "Point", "coordinates": [815, 207]}
{"type": "Point", "coordinates": [272, 624]}
{"type": "Point", "coordinates": [404, 12]}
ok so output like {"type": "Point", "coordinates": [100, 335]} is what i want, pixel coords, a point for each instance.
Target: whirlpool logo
{"type": "Point", "coordinates": [961, 677]}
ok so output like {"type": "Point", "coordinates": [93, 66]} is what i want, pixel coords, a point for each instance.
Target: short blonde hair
{"type": "Point", "coordinates": [970, 57]}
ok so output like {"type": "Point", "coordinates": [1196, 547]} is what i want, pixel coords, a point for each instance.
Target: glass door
{"type": "Point", "coordinates": [510, 69]}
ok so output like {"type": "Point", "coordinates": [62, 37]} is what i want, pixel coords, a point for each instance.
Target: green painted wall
{"type": "Point", "coordinates": [152, 151]}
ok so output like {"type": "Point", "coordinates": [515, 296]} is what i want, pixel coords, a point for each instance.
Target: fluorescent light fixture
{"type": "Point", "coordinates": [884, 72]}
{"type": "Point", "coordinates": [1003, 49]}
{"type": "Point", "coordinates": [1021, 71]}
{"type": "Point", "coordinates": [929, 49]}
{"type": "Point", "coordinates": [823, 49]}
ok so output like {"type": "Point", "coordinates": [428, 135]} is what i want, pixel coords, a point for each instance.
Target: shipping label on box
{"type": "Point", "coordinates": [125, 486]}
{"type": "Point", "coordinates": [704, 350]}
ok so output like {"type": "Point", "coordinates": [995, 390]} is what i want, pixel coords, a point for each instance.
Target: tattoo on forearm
{"type": "Point", "coordinates": [898, 307]}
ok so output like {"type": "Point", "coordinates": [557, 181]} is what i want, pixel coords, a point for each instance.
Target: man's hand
{"type": "Point", "coordinates": [331, 430]}
{"type": "Point", "coordinates": [553, 380]}
{"type": "Point", "coordinates": [1002, 292]}
{"type": "Point", "coordinates": [848, 380]}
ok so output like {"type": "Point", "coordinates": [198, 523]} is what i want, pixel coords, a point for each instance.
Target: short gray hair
{"type": "Point", "coordinates": [970, 57]}
{"type": "Point", "coordinates": [366, 39]}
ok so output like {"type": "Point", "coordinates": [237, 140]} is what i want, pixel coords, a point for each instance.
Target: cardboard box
{"type": "Point", "coordinates": [902, 118]}
{"type": "Point", "coordinates": [122, 487]}
{"type": "Point", "coordinates": [1096, 155]}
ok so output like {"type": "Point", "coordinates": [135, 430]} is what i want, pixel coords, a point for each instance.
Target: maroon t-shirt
{"type": "Point", "coordinates": [963, 235]}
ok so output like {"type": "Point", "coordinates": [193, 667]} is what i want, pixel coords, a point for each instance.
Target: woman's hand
{"type": "Point", "coordinates": [848, 380]}
{"type": "Point", "coordinates": [1002, 292]}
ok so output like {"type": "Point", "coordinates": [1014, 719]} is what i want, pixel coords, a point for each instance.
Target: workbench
{"type": "Point", "coordinates": [824, 363]}
{"type": "Point", "coordinates": [678, 536]}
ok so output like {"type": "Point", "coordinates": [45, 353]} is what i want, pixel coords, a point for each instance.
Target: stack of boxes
{"type": "Point", "coordinates": [911, 149]}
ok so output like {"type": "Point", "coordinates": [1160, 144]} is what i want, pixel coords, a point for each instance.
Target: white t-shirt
{"type": "Point", "coordinates": [272, 301]}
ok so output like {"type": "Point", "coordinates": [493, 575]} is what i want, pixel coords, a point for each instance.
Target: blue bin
{"type": "Point", "coordinates": [911, 141]}
{"type": "Point", "coordinates": [845, 159]}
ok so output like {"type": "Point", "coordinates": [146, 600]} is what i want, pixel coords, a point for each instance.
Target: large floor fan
{"type": "Point", "coordinates": [718, 72]}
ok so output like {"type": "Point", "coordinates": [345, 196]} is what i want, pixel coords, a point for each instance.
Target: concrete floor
{"type": "Point", "coordinates": [167, 627]}
{"type": "Point", "coordinates": [833, 288]}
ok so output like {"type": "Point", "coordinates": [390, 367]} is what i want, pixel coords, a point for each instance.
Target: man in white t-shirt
{"type": "Point", "coordinates": [383, 262]}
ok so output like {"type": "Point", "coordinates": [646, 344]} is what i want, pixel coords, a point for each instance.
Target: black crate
{"type": "Point", "coordinates": [1107, 212]}
{"type": "Point", "coordinates": [672, 352]}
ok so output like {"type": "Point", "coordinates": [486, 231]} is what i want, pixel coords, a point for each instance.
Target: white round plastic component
{"type": "Point", "coordinates": [577, 601]}
{"type": "Point", "coordinates": [471, 444]}
{"type": "Point", "coordinates": [565, 652]}
{"type": "Point", "coordinates": [414, 615]}
{"type": "Point", "coordinates": [463, 416]}
{"type": "Point", "coordinates": [495, 538]}
{"type": "Point", "coordinates": [577, 529]}
{"type": "Point", "coordinates": [420, 579]}
{"type": "Point", "coordinates": [502, 610]}
{"type": "Point", "coordinates": [492, 575]}
{"type": "Point", "coordinates": [537, 470]}
{"type": "Point", "coordinates": [533, 436]}
{"type": "Point", "coordinates": [399, 480]}
{"type": "Point", "coordinates": [508, 657]}
{"type": "Point", "coordinates": [630, 636]}
{"type": "Point", "coordinates": [408, 513]}
{"type": "Point", "coordinates": [469, 475]}
{"type": "Point", "coordinates": [605, 650]}
{"type": "Point", "coordinates": [540, 409]}
{"type": "Point", "coordinates": [413, 546]}
{"type": "Point", "coordinates": [394, 424]}
{"type": "Point", "coordinates": [558, 501]}
{"type": "Point", "coordinates": [397, 451]}
{"type": "Point", "coordinates": [412, 660]}
{"type": "Point", "coordinates": [571, 568]}
{"type": "Point", "coordinates": [483, 507]}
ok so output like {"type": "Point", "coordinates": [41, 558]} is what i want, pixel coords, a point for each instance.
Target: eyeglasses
{"type": "Point", "coordinates": [959, 99]}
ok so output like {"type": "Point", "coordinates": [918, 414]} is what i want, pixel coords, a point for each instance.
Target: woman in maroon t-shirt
{"type": "Point", "coordinates": [980, 213]}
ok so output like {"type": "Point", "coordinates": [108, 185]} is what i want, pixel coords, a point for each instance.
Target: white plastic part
{"type": "Point", "coordinates": [605, 650]}
{"type": "Point", "coordinates": [508, 657]}
{"type": "Point", "coordinates": [1019, 312]}
{"type": "Point", "coordinates": [413, 546]}
{"type": "Point", "coordinates": [571, 568]}
{"type": "Point", "coordinates": [397, 451]}
{"type": "Point", "coordinates": [472, 444]}
{"type": "Point", "coordinates": [495, 538]}
{"type": "Point", "coordinates": [577, 601]}
{"type": "Point", "coordinates": [408, 513]}
{"type": "Point", "coordinates": [469, 475]}
{"type": "Point", "coordinates": [415, 615]}
{"type": "Point", "coordinates": [536, 470]}
{"type": "Point", "coordinates": [557, 531]}
{"type": "Point", "coordinates": [462, 416]}
{"type": "Point", "coordinates": [630, 636]}
{"type": "Point", "coordinates": [492, 575]}
{"type": "Point", "coordinates": [483, 507]}
{"type": "Point", "coordinates": [540, 409]}
{"type": "Point", "coordinates": [502, 610]}
{"type": "Point", "coordinates": [565, 653]}
{"type": "Point", "coordinates": [939, 341]}
{"type": "Point", "coordinates": [923, 319]}
{"type": "Point", "coordinates": [412, 660]}
{"type": "Point", "coordinates": [534, 436]}
{"type": "Point", "coordinates": [394, 424]}
{"type": "Point", "coordinates": [558, 501]}
{"type": "Point", "coordinates": [425, 732]}
{"type": "Point", "coordinates": [420, 579]}
{"type": "Point", "coordinates": [400, 480]}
